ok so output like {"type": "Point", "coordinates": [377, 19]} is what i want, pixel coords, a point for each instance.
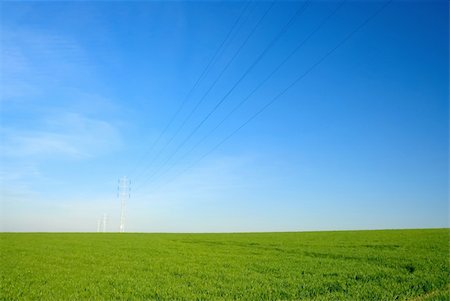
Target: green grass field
{"type": "Point", "coordinates": [345, 265]}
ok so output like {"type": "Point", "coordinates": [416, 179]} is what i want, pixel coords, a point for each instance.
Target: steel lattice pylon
{"type": "Point", "coordinates": [124, 189]}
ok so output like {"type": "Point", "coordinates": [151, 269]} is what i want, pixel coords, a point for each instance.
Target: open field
{"type": "Point", "coordinates": [346, 265]}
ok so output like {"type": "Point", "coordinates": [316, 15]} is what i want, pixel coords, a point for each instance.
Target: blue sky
{"type": "Point", "coordinates": [360, 142]}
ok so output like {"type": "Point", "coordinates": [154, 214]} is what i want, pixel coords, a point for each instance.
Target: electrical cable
{"type": "Point", "coordinates": [209, 89]}
{"type": "Point", "coordinates": [283, 30]}
{"type": "Point", "coordinates": [291, 85]}
{"type": "Point", "coordinates": [192, 89]}
{"type": "Point", "coordinates": [262, 83]}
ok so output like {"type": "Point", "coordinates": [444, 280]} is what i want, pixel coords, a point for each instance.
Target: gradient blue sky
{"type": "Point", "coordinates": [361, 142]}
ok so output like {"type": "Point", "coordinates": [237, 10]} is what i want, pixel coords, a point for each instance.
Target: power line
{"type": "Point", "coordinates": [291, 85]}
{"type": "Point", "coordinates": [283, 30]}
{"type": "Point", "coordinates": [211, 87]}
{"type": "Point", "coordinates": [188, 95]}
{"type": "Point", "coordinates": [262, 83]}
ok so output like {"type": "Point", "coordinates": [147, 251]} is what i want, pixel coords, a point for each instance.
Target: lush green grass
{"type": "Point", "coordinates": [350, 265]}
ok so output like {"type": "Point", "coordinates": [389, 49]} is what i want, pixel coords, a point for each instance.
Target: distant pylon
{"type": "Point", "coordinates": [123, 193]}
{"type": "Point", "coordinates": [104, 222]}
{"type": "Point", "coordinates": [99, 223]}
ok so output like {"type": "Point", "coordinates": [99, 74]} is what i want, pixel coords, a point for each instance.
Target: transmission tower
{"type": "Point", "coordinates": [104, 222]}
{"type": "Point", "coordinates": [123, 194]}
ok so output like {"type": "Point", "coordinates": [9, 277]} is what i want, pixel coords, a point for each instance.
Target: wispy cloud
{"type": "Point", "coordinates": [26, 153]}
{"type": "Point", "coordinates": [69, 134]}
{"type": "Point", "coordinates": [34, 64]}
{"type": "Point", "coordinates": [34, 61]}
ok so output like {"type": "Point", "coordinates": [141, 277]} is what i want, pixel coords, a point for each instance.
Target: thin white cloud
{"type": "Point", "coordinates": [32, 62]}
{"type": "Point", "coordinates": [70, 135]}
{"type": "Point", "coordinates": [72, 124]}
